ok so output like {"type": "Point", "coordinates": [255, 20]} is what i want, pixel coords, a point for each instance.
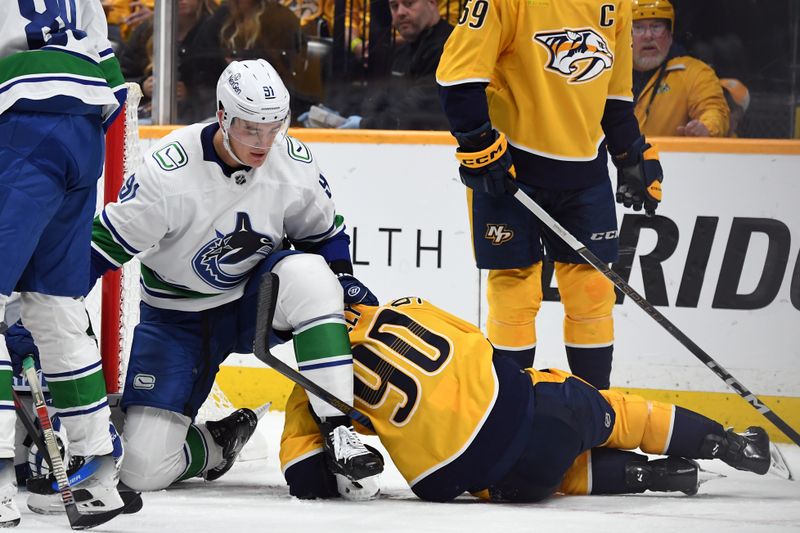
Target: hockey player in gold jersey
{"type": "Point", "coordinates": [456, 416]}
{"type": "Point", "coordinates": [542, 90]}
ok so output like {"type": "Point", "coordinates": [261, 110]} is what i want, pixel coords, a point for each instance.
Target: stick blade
{"type": "Point", "coordinates": [80, 521]}
{"type": "Point", "coordinates": [265, 311]}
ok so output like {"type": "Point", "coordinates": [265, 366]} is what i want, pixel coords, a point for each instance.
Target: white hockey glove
{"type": "Point", "coordinates": [364, 489]}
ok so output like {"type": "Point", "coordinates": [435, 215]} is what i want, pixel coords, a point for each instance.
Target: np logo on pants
{"type": "Point", "coordinates": [144, 382]}
{"type": "Point", "coordinates": [498, 233]}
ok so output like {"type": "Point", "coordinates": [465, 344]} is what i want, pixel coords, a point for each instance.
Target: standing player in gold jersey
{"type": "Point", "coordinates": [540, 90]}
{"type": "Point", "coordinates": [456, 416]}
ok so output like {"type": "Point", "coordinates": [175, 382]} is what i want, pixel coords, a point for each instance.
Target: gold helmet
{"type": "Point", "coordinates": [654, 9]}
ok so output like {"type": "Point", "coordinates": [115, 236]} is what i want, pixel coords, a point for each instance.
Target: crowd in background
{"type": "Point", "coordinates": [393, 86]}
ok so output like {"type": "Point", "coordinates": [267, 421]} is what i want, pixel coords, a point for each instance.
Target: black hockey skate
{"type": "Point", "coordinates": [346, 453]}
{"type": "Point", "coordinates": [747, 451]}
{"type": "Point", "coordinates": [671, 474]}
{"type": "Point", "coordinates": [93, 481]}
{"type": "Point", "coordinates": [232, 433]}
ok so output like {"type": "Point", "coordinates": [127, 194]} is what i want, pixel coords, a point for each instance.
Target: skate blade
{"type": "Point", "coordinates": [707, 475]}
{"type": "Point", "coordinates": [778, 465]}
{"type": "Point", "coordinates": [51, 504]}
{"type": "Point", "coordinates": [9, 515]}
{"type": "Point", "coordinates": [48, 504]}
{"type": "Point", "coordinates": [261, 410]}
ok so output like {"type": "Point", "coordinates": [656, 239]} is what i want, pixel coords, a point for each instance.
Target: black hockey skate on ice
{"type": "Point", "coordinates": [347, 455]}
{"type": "Point", "coordinates": [232, 433]}
{"type": "Point", "coordinates": [748, 451]}
{"type": "Point", "coordinates": [672, 474]}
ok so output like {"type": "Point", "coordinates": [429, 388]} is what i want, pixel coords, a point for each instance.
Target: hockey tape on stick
{"type": "Point", "coordinates": [267, 298]}
{"type": "Point", "coordinates": [656, 315]}
{"type": "Point", "coordinates": [77, 520]}
{"type": "Point", "coordinates": [30, 427]}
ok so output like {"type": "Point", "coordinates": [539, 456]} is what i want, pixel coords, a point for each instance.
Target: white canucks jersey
{"type": "Point", "coordinates": [57, 48]}
{"type": "Point", "coordinates": [198, 232]}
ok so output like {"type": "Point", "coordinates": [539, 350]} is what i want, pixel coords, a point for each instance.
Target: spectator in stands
{"type": "Point", "coordinates": [316, 17]}
{"type": "Point", "coordinates": [675, 94]}
{"type": "Point", "coordinates": [136, 59]}
{"type": "Point", "coordinates": [450, 10]}
{"type": "Point", "coordinates": [408, 99]}
{"type": "Point", "coordinates": [738, 98]}
{"type": "Point", "coordinates": [317, 22]}
{"type": "Point", "coordinates": [124, 15]}
{"type": "Point", "coordinates": [254, 29]}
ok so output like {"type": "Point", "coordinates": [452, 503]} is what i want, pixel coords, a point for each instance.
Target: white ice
{"type": "Point", "coordinates": [253, 497]}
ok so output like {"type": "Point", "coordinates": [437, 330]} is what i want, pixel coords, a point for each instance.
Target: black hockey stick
{"type": "Point", "coordinates": [656, 315]}
{"type": "Point", "coordinates": [30, 427]}
{"type": "Point", "coordinates": [267, 298]}
{"type": "Point", "coordinates": [77, 520]}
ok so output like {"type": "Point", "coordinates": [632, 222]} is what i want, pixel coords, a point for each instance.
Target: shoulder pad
{"type": "Point", "coordinates": [171, 156]}
{"type": "Point", "coordinates": [298, 151]}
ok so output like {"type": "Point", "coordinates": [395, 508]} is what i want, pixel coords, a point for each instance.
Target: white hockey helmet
{"type": "Point", "coordinates": [253, 92]}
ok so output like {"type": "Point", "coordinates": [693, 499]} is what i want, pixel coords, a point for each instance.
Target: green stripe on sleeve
{"type": "Point", "coordinates": [105, 241]}
{"type": "Point", "coordinates": [112, 72]}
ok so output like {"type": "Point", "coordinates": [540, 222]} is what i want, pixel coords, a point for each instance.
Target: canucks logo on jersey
{"type": "Point", "coordinates": [225, 261]}
{"type": "Point", "coordinates": [585, 47]}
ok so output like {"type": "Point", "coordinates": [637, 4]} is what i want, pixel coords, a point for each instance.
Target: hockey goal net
{"type": "Point", "coordinates": [119, 295]}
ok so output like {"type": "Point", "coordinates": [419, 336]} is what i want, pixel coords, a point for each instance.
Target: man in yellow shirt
{"type": "Point", "coordinates": [545, 88]}
{"type": "Point", "coordinates": [675, 94]}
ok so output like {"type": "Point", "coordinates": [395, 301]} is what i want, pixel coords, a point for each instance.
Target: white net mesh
{"type": "Point", "coordinates": [129, 292]}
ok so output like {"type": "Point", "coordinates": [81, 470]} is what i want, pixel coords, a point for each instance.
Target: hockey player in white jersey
{"type": "Point", "coordinates": [59, 85]}
{"type": "Point", "coordinates": [209, 210]}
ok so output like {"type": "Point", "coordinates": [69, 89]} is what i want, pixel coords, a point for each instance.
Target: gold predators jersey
{"type": "Point", "coordinates": [550, 65]}
{"type": "Point", "coordinates": [423, 376]}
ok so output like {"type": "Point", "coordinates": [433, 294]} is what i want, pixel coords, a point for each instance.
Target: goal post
{"type": "Point", "coordinates": [122, 153]}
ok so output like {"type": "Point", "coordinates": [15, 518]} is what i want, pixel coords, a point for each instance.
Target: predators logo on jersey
{"type": "Point", "coordinates": [579, 55]}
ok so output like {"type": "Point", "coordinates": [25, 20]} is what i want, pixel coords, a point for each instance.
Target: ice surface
{"type": "Point", "coordinates": [253, 497]}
